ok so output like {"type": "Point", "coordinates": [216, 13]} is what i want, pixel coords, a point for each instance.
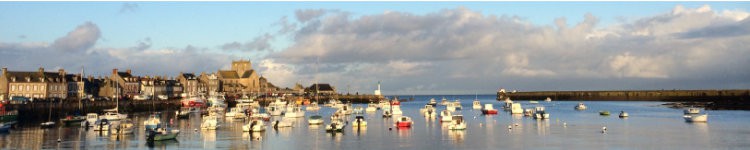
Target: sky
{"type": "Point", "coordinates": [410, 47]}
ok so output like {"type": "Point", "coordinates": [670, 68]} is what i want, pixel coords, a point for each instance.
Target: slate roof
{"type": "Point", "coordinates": [321, 87]}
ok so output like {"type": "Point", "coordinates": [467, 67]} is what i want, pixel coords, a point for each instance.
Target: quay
{"type": "Point", "coordinates": [715, 99]}
{"type": "Point", "coordinates": [36, 112]}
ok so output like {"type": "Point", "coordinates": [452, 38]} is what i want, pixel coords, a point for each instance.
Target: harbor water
{"type": "Point", "coordinates": [650, 126]}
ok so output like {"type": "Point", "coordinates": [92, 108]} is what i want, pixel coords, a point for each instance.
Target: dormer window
{"type": "Point", "coordinates": [13, 79]}
{"type": "Point", "coordinates": [28, 79]}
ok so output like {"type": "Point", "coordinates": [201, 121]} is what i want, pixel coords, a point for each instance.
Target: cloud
{"type": "Point", "coordinates": [129, 7]}
{"type": "Point", "coordinates": [80, 39]}
{"type": "Point", "coordinates": [459, 49]}
{"type": "Point", "coordinates": [260, 43]}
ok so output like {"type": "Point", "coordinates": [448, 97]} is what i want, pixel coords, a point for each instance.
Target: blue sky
{"type": "Point", "coordinates": [412, 47]}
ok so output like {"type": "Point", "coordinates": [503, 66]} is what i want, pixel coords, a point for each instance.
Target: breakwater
{"type": "Point", "coordinates": [716, 99]}
{"type": "Point", "coordinates": [36, 112]}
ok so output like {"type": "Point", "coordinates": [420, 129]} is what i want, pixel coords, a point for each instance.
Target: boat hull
{"type": "Point", "coordinates": [489, 112]}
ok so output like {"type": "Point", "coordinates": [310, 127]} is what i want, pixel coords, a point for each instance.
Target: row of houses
{"type": "Point", "coordinates": [242, 79]}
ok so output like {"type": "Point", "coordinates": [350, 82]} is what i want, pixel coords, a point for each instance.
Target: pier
{"type": "Point", "coordinates": [716, 99]}
{"type": "Point", "coordinates": [36, 112]}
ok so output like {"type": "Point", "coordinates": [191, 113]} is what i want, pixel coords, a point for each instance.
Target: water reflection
{"type": "Point", "coordinates": [542, 125]}
{"type": "Point", "coordinates": [457, 136]}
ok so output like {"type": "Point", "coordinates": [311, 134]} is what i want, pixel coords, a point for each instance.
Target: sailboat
{"type": "Point", "coordinates": [114, 114]}
{"type": "Point", "coordinates": [49, 122]}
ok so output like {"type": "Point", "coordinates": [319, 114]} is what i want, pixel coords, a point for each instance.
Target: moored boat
{"type": "Point", "coordinates": [153, 121]}
{"type": "Point", "coordinates": [540, 113]}
{"type": "Point", "coordinates": [488, 109]}
{"type": "Point", "coordinates": [696, 118]}
{"type": "Point", "coordinates": [604, 113]}
{"type": "Point", "coordinates": [692, 110]}
{"type": "Point", "coordinates": [445, 116]}
{"type": "Point", "coordinates": [580, 106]}
{"type": "Point", "coordinates": [372, 107]}
{"type": "Point", "coordinates": [476, 104]}
{"type": "Point", "coordinates": [515, 108]}
{"type": "Point", "coordinates": [336, 125]}
{"type": "Point", "coordinates": [254, 126]}
{"type": "Point", "coordinates": [72, 120]}
{"type": "Point", "coordinates": [457, 123]}
{"type": "Point", "coordinates": [359, 122]}
{"type": "Point", "coordinates": [432, 102]}
{"type": "Point", "coordinates": [316, 119]}
{"type": "Point", "coordinates": [210, 122]}
{"type": "Point", "coordinates": [404, 121]}
{"type": "Point", "coordinates": [161, 134]}
{"type": "Point", "coordinates": [624, 114]}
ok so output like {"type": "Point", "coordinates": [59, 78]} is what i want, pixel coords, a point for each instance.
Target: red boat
{"type": "Point", "coordinates": [488, 110]}
{"type": "Point", "coordinates": [193, 102]}
{"type": "Point", "coordinates": [395, 102]}
{"type": "Point", "coordinates": [403, 121]}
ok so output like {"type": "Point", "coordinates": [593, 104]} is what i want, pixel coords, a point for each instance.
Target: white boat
{"type": "Point", "coordinates": [333, 103]}
{"type": "Point", "coordinates": [384, 105]}
{"type": "Point", "coordinates": [316, 119]}
{"type": "Point", "coordinates": [254, 126]}
{"type": "Point", "coordinates": [372, 107]}
{"type": "Point", "coordinates": [624, 114]}
{"type": "Point", "coordinates": [210, 122]}
{"type": "Point", "coordinates": [162, 97]}
{"type": "Point", "coordinates": [426, 108]}
{"type": "Point", "coordinates": [548, 99]}
{"type": "Point", "coordinates": [444, 101]}
{"type": "Point", "coordinates": [142, 97]}
{"type": "Point", "coordinates": [489, 109]}
{"type": "Point", "coordinates": [153, 122]}
{"type": "Point", "coordinates": [404, 122]}
{"type": "Point", "coordinates": [47, 124]}
{"type": "Point", "coordinates": [533, 102]}
{"type": "Point", "coordinates": [580, 106]}
{"type": "Point", "coordinates": [528, 112]}
{"type": "Point", "coordinates": [476, 104]}
{"type": "Point", "coordinates": [346, 108]}
{"type": "Point", "coordinates": [457, 105]}
{"type": "Point", "coordinates": [336, 125]}
{"type": "Point", "coordinates": [515, 108]}
{"type": "Point", "coordinates": [692, 110]}
{"type": "Point", "coordinates": [359, 122]}
{"type": "Point", "coordinates": [359, 110]}
{"type": "Point", "coordinates": [91, 118]}
{"type": "Point", "coordinates": [432, 102]}
{"type": "Point", "coordinates": [450, 106]}
{"type": "Point", "coordinates": [396, 110]}
{"type": "Point", "coordinates": [101, 125]}
{"type": "Point", "coordinates": [313, 106]}
{"type": "Point", "coordinates": [122, 127]}
{"type": "Point", "coordinates": [446, 116]}
{"type": "Point", "coordinates": [696, 118]}
{"type": "Point", "coordinates": [387, 113]}
{"type": "Point", "coordinates": [274, 111]}
{"type": "Point", "coordinates": [113, 115]}
{"type": "Point", "coordinates": [233, 112]}
{"type": "Point", "coordinates": [540, 113]}
{"type": "Point", "coordinates": [294, 112]}
{"type": "Point", "coordinates": [161, 134]}
{"type": "Point", "coordinates": [457, 123]}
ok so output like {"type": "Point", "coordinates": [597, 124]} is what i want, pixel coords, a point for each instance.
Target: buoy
{"type": "Point", "coordinates": [516, 124]}
{"type": "Point", "coordinates": [510, 127]}
{"type": "Point", "coordinates": [604, 129]}
{"type": "Point", "coordinates": [59, 140]}
{"type": "Point", "coordinates": [390, 128]}
{"type": "Point", "coordinates": [196, 129]}
{"type": "Point", "coordinates": [565, 124]}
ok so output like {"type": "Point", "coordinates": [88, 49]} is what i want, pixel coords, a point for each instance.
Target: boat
{"type": "Point", "coordinates": [444, 101]}
{"type": "Point", "coordinates": [193, 101]}
{"type": "Point", "coordinates": [403, 121]}
{"type": "Point", "coordinates": [233, 112]}
{"type": "Point", "coordinates": [515, 108]}
{"type": "Point", "coordinates": [488, 109]}
{"type": "Point", "coordinates": [49, 122]}
{"type": "Point", "coordinates": [142, 97]}
{"type": "Point", "coordinates": [457, 123]}
{"type": "Point", "coordinates": [359, 110]}
{"type": "Point", "coordinates": [450, 106]}
{"type": "Point", "coordinates": [101, 125]}
{"type": "Point", "coordinates": [153, 122]}
{"type": "Point", "coordinates": [528, 112]}
{"type": "Point", "coordinates": [210, 122]}
{"type": "Point", "coordinates": [623, 114]}
{"type": "Point", "coordinates": [507, 105]}
{"type": "Point", "coordinates": [395, 102]}
{"type": "Point", "coordinates": [432, 102]}
{"type": "Point", "coordinates": [312, 106]}
{"type": "Point", "coordinates": [692, 110]}
{"type": "Point", "coordinates": [254, 126]}
{"type": "Point", "coordinates": [548, 99]}
{"type": "Point", "coordinates": [696, 118]}
{"type": "Point", "coordinates": [580, 106]}
{"type": "Point", "coordinates": [333, 103]}
{"type": "Point", "coordinates": [184, 112]}
{"type": "Point", "coordinates": [372, 107]}
{"type": "Point", "coordinates": [336, 125]}
{"type": "Point", "coordinates": [294, 112]}
{"type": "Point", "coordinates": [4, 127]}
{"type": "Point", "coordinates": [122, 127]}
{"type": "Point", "coordinates": [91, 118]}
{"type": "Point", "coordinates": [161, 134]}
{"type": "Point", "coordinates": [346, 109]}
{"type": "Point", "coordinates": [284, 122]}
{"type": "Point", "coordinates": [274, 110]}
{"type": "Point", "coordinates": [387, 113]}
{"type": "Point", "coordinates": [457, 105]}
{"type": "Point", "coordinates": [446, 116]}
{"type": "Point", "coordinates": [359, 122]}
{"type": "Point", "coordinates": [384, 104]}
{"type": "Point", "coordinates": [113, 115]}
{"type": "Point", "coordinates": [476, 104]}
{"type": "Point", "coordinates": [316, 119]}
{"type": "Point", "coordinates": [533, 102]}
{"type": "Point", "coordinates": [604, 113]}
{"type": "Point", "coordinates": [426, 108]}
{"type": "Point", "coordinates": [540, 113]}
{"type": "Point", "coordinates": [72, 120]}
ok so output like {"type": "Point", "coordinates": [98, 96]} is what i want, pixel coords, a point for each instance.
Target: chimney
{"type": "Point", "coordinates": [41, 70]}
{"type": "Point", "coordinates": [5, 70]}
{"type": "Point", "coordinates": [114, 71]}
{"type": "Point", "coordinates": [62, 72]}
{"type": "Point", "coordinates": [128, 71]}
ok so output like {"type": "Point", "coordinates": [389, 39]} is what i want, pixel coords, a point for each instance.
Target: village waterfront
{"type": "Point", "coordinates": [650, 126]}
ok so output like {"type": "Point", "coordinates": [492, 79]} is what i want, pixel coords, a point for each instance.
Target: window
{"type": "Point", "coordinates": [28, 88]}
{"type": "Point", "coordinates": [35, 88]}
{"type": "Point", "coordinates": [13, 88]}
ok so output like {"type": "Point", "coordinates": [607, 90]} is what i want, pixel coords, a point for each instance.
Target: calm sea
{"type": "Point", "coordinates": [650, 126]}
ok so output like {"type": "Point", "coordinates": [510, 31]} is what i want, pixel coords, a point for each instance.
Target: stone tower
{"type": "Point", "coordinates": [241, 66]}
